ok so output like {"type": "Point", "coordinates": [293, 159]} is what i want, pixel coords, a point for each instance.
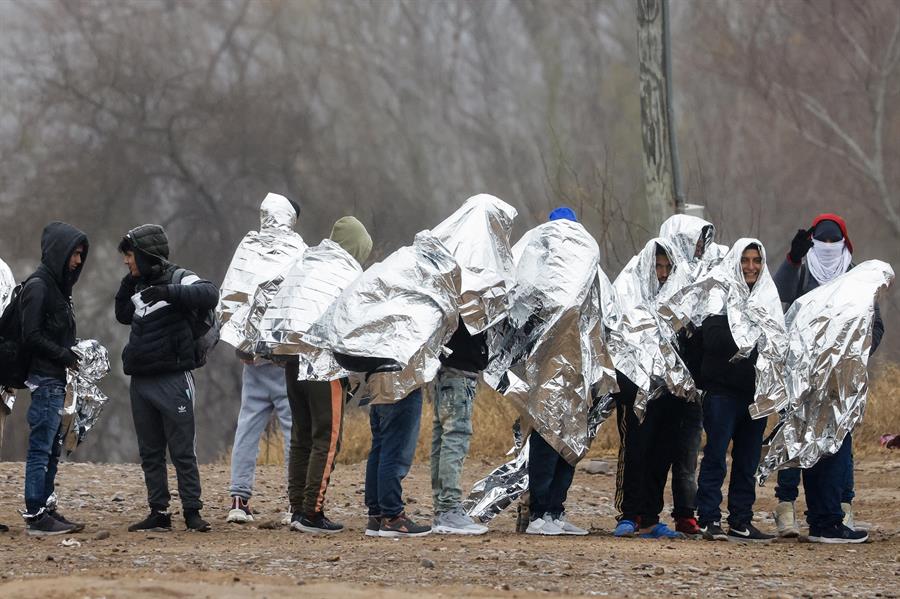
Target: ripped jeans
{"type": "Point", "coordinates": [454, 396]}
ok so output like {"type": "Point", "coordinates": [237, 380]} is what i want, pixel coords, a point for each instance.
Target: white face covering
{"type": "Point", "coordinates": [827, 261]}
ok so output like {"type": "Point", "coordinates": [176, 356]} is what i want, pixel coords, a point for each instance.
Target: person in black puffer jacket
{"type": "Point", "coordinates": [48, 331]}
{"type": "Point", "coordinates": [157, 298]}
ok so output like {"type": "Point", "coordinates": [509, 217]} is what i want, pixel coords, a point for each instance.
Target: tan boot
{"type": "Point", "coordinates": [849, 522]}
{"type": "Point", "coordinates": [786, 520]}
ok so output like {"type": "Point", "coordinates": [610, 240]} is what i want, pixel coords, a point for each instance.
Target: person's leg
{"type": "Point", "coordinates": [53, 463]}
{"type": "Point", "coordinates": [628, 468]}
{"type": "Point", "coordinates": [824, 485]}
{"type": "Point", "coordinates": [44, 418]}
{"type": "Point", "coordinates": [326, 400]}
{"type": "Point", "coordinates": [658, 431]}
{"type": "Point", "coordinates": [788, 486]}
{"type": "Point", "coordinates": [174, 397]}
{"type": "Point", "coordinates": [400, 426]}
{"type": "Point", "coordinates": [718, 423]}
{"type": "Point", "coordinates": [437, 433]}
{"type": "Point", "coordinates": [541, 468]}
{"type": "Point", "coordinates": [454, 413]}
{"type": "Point", "coordinates": [373, 462]}
{"type": "Point", "coordinates": [301, 437]}
{"type": "Point", "coordinates": [848, 492]}
{"type": "Point", "coordinates": [151, 438]}
{"type": "Point", "coordinates": [256, 409]}
{"type": "Point", "coordinates": [563, 475]}
{"type": "Point", "coordinates": [745, 453]}
{"type": "Point", "coordinates": [684, 466]}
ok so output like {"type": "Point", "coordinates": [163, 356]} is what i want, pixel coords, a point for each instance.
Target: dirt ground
{"type": "Point", "coordinates": [268, 560]}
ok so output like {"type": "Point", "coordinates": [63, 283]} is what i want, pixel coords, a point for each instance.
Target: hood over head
{"type": "Point", "coordinates": [684, 231]}
{"type": "Point", "coordinates": [58, 241]}
{"type": "Point", "coordinates": [352, 236]}
{"type": "Point", "coordinates": [277, 212]}
{"type": "Point", "coordinates": [151, 249]}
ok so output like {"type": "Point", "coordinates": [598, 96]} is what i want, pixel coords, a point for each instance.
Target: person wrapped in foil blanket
{"type": "Point", "coordinates": [829, 341]}
{"type": "Point", "coordinates": [259, 258]}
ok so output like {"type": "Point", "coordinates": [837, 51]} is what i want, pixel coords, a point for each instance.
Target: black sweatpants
{"type": "Point", "coordinates": [163, 410]}
{"type": "Point", "coordinates": [628, 467]}
{"type": "Point", "coordinates": [317, 409]}
{"type": "Point", "coordinates": [659, 436]}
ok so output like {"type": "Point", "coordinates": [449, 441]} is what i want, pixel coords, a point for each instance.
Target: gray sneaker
{"type": "Point", "coordinates": [456, 522]}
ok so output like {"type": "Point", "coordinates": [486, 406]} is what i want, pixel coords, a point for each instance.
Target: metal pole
{"type": "Point", "coordinates": [670, 113]}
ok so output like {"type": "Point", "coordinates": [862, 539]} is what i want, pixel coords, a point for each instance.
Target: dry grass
{"type": "Point", "coordinates": [493, 419]}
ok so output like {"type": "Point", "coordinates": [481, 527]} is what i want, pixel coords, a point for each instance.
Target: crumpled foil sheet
{"type": "Point", "coordinates": [551, 349]}
{"type": "Point", "coordinates": [310, 286]}
{"type": "Point", "coordinates": [684, 233]}
{"type": "Point", "coordinates": [259, 258]}
{"type": "Point", "coordinates": [830, 337]}
{"type": "Point", "coordinates": [506, 483]}
{"type": "Point", "coordinates": [642, 345]}
{"type": "Point", "coordinates": [84, 400]}
{"type": "Point", "coordinates": [755, 318]}
{"type": "Point", "coordinates": [7, 284]}
{"type": "Point", "coordinates": [404, 309]}
{"type": "Point", "coordinates": [477, 235]}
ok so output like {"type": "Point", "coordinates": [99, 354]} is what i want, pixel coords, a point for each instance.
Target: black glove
{"type": "Point", "coordinates": [157, 293]}
{"type": "Point", "coordinates": [800, 245]}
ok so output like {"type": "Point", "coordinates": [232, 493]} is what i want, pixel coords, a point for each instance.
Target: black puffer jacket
{"type": "Point", "coordinates": [161, 338]}
{"type": "Point", "coordinates": [719, 374]}
{"type": "Point", "coordinates": [48, 320]}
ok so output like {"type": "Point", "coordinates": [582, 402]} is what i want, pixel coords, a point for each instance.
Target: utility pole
{"type": "Point", "coordinates": [662, 178]}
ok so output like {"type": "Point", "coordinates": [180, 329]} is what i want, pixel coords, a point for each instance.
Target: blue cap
{"type": "Point", "coordinates": [563, 213]}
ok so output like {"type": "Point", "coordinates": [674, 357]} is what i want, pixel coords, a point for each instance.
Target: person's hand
{"type": "Point", "coordinates": [800, 245]}
{"type": "Point", "coordinates": [157, 293]}
{"type": "Point", "coordinates": [71, 359]}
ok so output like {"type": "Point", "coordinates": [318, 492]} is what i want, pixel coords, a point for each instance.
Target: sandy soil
{"type": "Point", "coordinates": [267, 560]}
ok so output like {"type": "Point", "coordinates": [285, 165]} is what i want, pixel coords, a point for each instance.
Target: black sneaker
{"type": "Point", "coordinates": [747, 533]}
{"type": "Point", "coordinates": [373, 526]}
{"type": "Point", "coordinates": [402, 526]}
{"type": "Point", "coordinates": [156, 522]}
{"type": "Point", "coordinates": [77, 527]}
{"type": "Point", "coordinates": [837, 534]}
{"type": "Point", "coordinates": [43, 524]}
{"type": "Point", "coordinates": [316, 524]}
{"type": "Point", "coordinates": [193, 521]}
{"type": "Point", "coordinates": [712, 531]}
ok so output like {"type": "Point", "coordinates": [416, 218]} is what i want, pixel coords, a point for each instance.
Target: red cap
{"type": "Point", "coordinates": [840, 223]}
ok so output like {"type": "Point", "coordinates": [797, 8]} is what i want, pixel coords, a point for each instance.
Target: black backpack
{"type": "Point", "coordinates": [15, 360]}
{"type": "Point", "coordinates": [204, 326]}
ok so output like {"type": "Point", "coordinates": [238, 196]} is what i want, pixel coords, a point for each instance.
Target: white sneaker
{"type": "Point", "coordinates": [543, 526]}
{"type": "Point", "coordinates": [456, 522]}
{"type": "Point", "coordinates": [240, 511]}
{"type": "Point", "coordinates": [786, 520]}
{"type": "Point", "coordinates": [567, 527]}
{"type": "Point", "coordinates": [849, 521]}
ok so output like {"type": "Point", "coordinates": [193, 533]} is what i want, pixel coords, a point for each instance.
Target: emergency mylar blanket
{"type": "Point", "coordinates": [830, 336]}
{"type": "Point", "coordinates": [84, 400]}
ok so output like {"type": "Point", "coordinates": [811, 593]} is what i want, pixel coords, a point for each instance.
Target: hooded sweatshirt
{"type": "Point", "coordinates": [352, 236]}
{"type": "Point", "coordinates": [48, 319]}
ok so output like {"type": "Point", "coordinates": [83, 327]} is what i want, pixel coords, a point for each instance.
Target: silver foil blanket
{"type": "Point", "coordinates": [477, 235]}
{"type": "Point", "coordinates": [505, 484]}
{"type": "Point", "coordinates": [692, 240]}
{"type": "Point", "coordinates": [551, 349]}
{"type": "Point", "coordinates": [830, 337]}
{"type": "Point", "coordinates": [642, 344]}
{"type": "Point", "coordinates": [7, 284]}
{"type": "Point", "coordinates": [310, 286]}
{"type": "Point", "coordinates": [258, 261]}
{"type": "Point", "coordinates": [755, 318]}
{"type": "Point", "coordinates": [84, 400]}
{"type": "Point", "coordinates": [402, 310]}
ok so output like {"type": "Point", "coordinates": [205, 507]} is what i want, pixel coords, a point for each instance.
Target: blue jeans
{"type": "Point", "coordinates": [44, 440]}
{"type": "Point", "coordinates": [684, 464]}
{"type": "Point", "coordinates": [549, 478]}
{"type": "Point", "coordinates": [395, 428]}
{"type": "Point", "coordinates": [825, 485]}
{"type": "Point", "coordinates": [453, 400]}
{"type": "Point", "coordinates": [726, 419]}
{"type": "Point", "coordinates": [788, 487]}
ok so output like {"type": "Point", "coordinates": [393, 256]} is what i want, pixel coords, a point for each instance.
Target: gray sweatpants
{"type": "Point", "coordinates": [163, 409]}
{"type": "Point", "coordinates": [262, 392]}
